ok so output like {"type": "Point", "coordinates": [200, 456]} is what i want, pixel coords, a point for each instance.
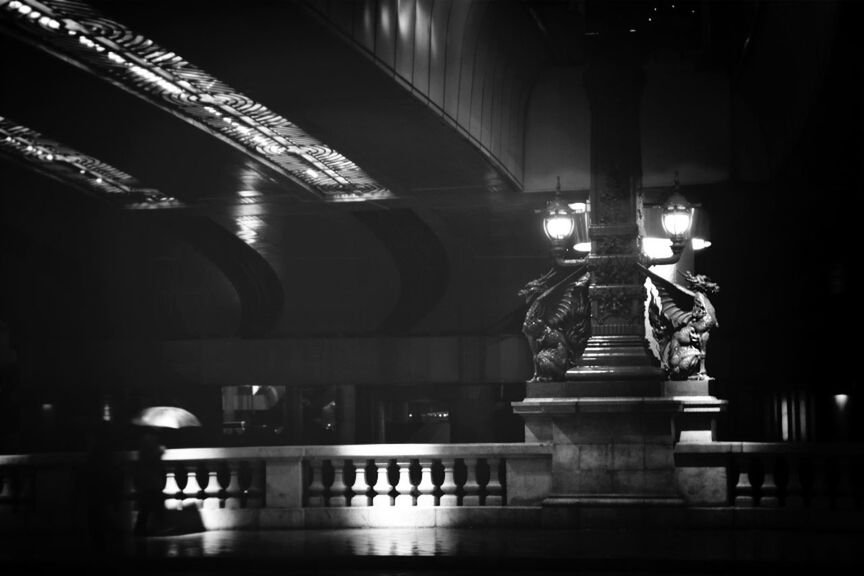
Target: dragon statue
{"type": "Point", "coordinates": [557, 324]}
{"type": "Point", "coordinates": [681, 319]}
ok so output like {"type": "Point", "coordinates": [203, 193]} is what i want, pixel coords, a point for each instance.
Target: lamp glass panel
{"type": "Point", "coordinates": [558, 226]}
{"type": "Point", "coordinates": [676, 222]}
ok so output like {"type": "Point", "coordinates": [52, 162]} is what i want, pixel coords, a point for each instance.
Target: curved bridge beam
{"type": "Point", "coordinates": [422, 262]}
{"type": "Point", "coordinates": [257, 285]}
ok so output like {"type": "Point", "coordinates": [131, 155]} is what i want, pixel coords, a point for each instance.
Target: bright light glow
{"type": "Point", "coordinates": [248, 193]}
{"type": "Point", "coordinates": [582, 247]}
{"type": "Point", "coordinates": [677, 222]}
{"type": "Point", "coordinates": [559, 226]}
{"type": "Point", "coordinates": [578, 207]}
{"type": "Point", "coordinates": [841, 400]}
{"type": "Point", "coordinates": [700, 243]}
{"type": "Point", "coordinates": [311, 173]}
{"type": "Point", "coordinates": [657, 247]}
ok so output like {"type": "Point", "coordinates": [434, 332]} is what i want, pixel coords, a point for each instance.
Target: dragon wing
{"type": "Point", "coordinates": [676, 302]}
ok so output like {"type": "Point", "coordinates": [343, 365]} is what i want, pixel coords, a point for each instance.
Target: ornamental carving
{"type": "Point", "coordinates": [558, 323]}
{"type": "Point", "coordinates": [609, 270]}
{"type": "Point", "coordinates": [82, 34]}
{"type": "Point", "coordinates": [78, 169]}
{"type": "Point", "coordinates": [613, 205]}
{"type": "Point", "coordinates": [620, 304]}
{"type": "Point", "coordinates": [681, 319]}
{"type": "Point", "coordinates": [614, 244]}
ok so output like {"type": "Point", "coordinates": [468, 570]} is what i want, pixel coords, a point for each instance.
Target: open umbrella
{"type": "Point", "coordinates": [166, 417]}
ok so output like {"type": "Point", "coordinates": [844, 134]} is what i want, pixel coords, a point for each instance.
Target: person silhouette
{"type": "Point", "coordinates": [150, 480]}
{"type": "Point", "coordinates": [103, 481]}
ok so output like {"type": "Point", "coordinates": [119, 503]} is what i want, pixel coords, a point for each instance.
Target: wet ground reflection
{"type": "Point", "coordinates": [450, 551]}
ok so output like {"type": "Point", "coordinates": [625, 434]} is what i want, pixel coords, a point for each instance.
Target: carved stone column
{"type": "Point", "coordinates": [617, 351]}
{"type": "Point", "coordinates": [613, 420]}
{"type": "Point", "coordinates": [617, 359]}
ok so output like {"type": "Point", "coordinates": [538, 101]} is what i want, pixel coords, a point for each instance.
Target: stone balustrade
{"type": "Point", "coordinates": [274, 486]}
{"type": "Point", "coordinates": [430, 485]}
{"type": "Point", "coordinates": [771, 475]}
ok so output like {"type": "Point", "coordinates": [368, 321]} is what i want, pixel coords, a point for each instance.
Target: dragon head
{"type": "Point", "coordinates": [537, 286]}
{"type": "Point", "coordinates": [701, 283]}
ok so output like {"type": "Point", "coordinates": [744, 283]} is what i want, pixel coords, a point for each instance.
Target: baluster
{"type": "Point", "coordinates": [404, 488]}
{"type": "Point", "coordinates": [382, 486]}
{"type": "Point", "coordinates": [494, 488]}
{"type": "Point", "coordinates": [230, 496]}
{"type": "Point", "coordinates": [845, 498]}
{"type": "Point", "coordinates": [768, 497]}
{"type": "Point", "coordinates": [743, 488]}
{"type": "Point", "coordinates": [130, 487]}
{"type": "Point", "coordinates": [425, 486]}
{"type": "Point", "coordinates": [191, 491]}
{"type": "Point", "coordinates": [244, 478]}
{"type": "Point", "coordinates": [211, 487]}
{"type": "Point", "coordinates": [338, 490]}
{"type": "Point", "coordinates": [449, 496]}
{"type": "Point", "coordinates": [794, 488]}
{"type": "Point", "coordinates": [315, 491]}
{"type": "Point", "coordinates": [856, 467]}
{"type": "Point", "coordinates": [5, 493]}
{"type": "Point", "coordinates": [471, 489]}
{"type": "Point", "coordinates": [360, 487]}
{"type": "Point", "coordinates": [254, 489]}
{"type": "Point", "coordinates": [171, 490]}
{"type": "Point", "coordinates": [821, 497]}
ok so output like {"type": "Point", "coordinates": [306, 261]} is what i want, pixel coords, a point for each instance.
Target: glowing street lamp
{"type": "Point", "coordinates": [676, 218]}
{"type": "Point", "coordinates": [559, 224]}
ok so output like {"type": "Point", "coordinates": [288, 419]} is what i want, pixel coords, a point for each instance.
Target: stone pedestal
{"type": "Point", "coordinates": [618, 449]}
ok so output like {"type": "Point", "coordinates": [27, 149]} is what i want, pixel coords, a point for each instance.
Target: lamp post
{"type": "Point", "coordinates": [559, 224]}
{"type": "Point", "coordinates": [598, 388]}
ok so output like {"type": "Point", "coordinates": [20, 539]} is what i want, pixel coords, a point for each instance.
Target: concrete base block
{"type": "Point", "coordinates": [228, 519]}
{"type": "Point", "coordinates": [281, 518]}
{"type": "Point", "coordinates": [702, 485]}
{"type": "Point", "coordinates": [342, 518]}
{"type": "Point", "coordinates": [408, 517]}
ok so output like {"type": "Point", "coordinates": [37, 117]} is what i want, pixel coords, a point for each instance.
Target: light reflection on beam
{"type": "Point", "coordinates": [76, 168]}
{"type": "Point", "coordinates": [77, 32]}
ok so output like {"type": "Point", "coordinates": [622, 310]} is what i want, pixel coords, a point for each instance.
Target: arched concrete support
{"type": "Point", "coordinates": [420, 257]}
{"type": "Point", "coordinates": [260, 291]}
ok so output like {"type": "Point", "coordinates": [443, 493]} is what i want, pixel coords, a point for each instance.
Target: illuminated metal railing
{"type": "Point", "coordinates": [79, 34]}
{"type": "Point", "coordinates": [78, 169]}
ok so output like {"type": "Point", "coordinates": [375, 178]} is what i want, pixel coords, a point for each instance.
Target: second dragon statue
{"type": "Point", "coordinates": [681, 319]}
